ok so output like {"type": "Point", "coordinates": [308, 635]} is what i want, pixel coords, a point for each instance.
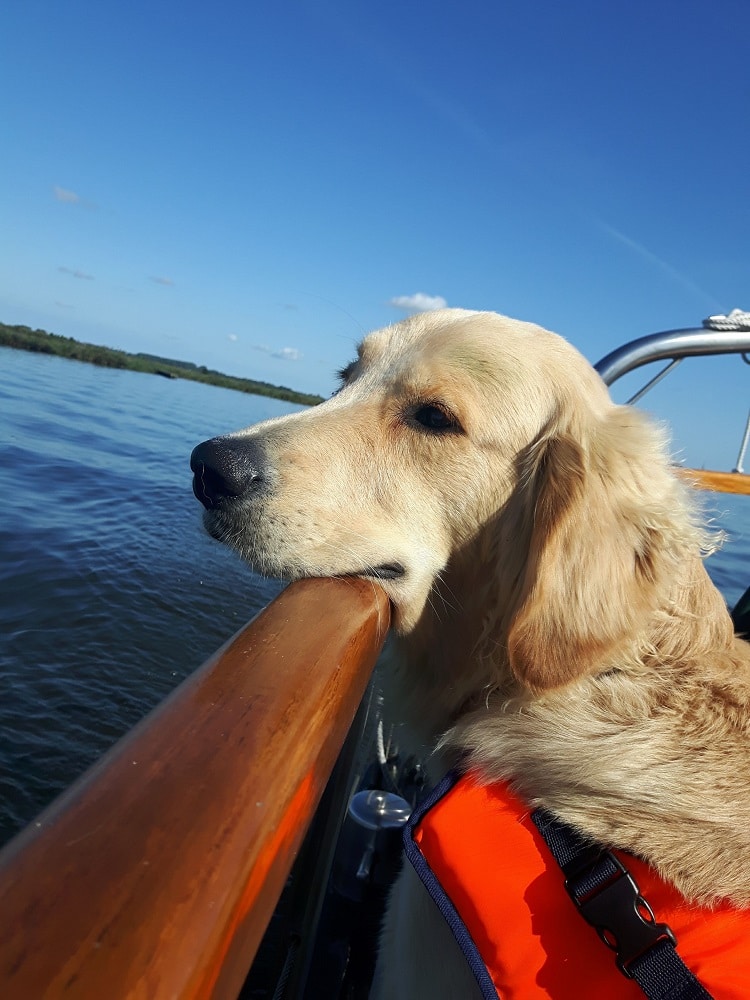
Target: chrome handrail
{"type": "Point", "coordinates": [672, 345]}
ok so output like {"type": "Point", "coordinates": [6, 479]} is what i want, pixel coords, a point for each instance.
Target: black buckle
{"type": "Point", "coordinates": [609, 899]}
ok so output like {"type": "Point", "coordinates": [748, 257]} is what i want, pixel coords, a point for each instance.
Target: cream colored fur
{"type": "Point", "coordinates": [554, 619]}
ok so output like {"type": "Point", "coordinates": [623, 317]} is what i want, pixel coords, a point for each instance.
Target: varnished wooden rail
{"type": "Point", "coordinates": [154, 876]}
{"type": "Point", "coordinates": [719, 482]}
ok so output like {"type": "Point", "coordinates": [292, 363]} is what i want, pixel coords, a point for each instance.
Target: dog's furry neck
{"type": "Point", "coordinates": [607, 752]}
{"type": "Point", "coordinates": [629, 751]}
{"type": "Point", "coordinates": [432, 694]}
{"type": "Point", "coordinates": [637, 759]}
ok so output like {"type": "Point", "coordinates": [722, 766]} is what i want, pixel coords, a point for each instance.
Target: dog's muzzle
{"type": "Point", "coordinates": [226, 469]}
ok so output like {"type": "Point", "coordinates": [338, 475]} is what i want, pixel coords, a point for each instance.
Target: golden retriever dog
{"type": "Point", "coordinates": [553, 620]}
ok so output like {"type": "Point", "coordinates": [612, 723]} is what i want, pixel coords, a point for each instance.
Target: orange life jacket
{"type": "Point", "coordinates": [490, 872]}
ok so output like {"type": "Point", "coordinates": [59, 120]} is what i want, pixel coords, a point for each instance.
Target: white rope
{"type": "Point", "coordinates": [735, 320]}
{"type": "Point", "coordinates": [382, 755]}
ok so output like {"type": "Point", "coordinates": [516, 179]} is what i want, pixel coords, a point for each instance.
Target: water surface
{"type": "Point", "coordinates": [110, 591]}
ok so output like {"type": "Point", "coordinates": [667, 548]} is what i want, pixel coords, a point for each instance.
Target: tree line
{"type": "Point", "coordinates": [26, 339]}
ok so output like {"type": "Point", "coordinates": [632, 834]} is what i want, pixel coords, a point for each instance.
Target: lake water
{"type": "Point", "coordinates": [110, 591]}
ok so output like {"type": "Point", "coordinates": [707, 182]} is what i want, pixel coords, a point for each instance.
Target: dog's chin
{"type": "Point", "coordinates": [407, 588]}
{"type": "Point", "coordinates": [406, 592]}
{"type": "Point", "coordinates": [215, 528]}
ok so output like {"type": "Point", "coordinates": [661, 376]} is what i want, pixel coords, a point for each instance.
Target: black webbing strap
{"type": "Point", "coordinates": [608, 898]}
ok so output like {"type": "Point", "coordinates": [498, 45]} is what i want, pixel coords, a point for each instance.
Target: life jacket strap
{"type": "Point", "coordinates": [607, 897]}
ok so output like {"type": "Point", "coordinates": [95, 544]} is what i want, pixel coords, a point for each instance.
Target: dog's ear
{"type": "Point", "coordinates": [594, 560]}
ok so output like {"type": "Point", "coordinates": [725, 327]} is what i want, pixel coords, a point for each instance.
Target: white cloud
{"type": "Point", "coordinates": [419, 302]}
{"type": "Point", "coordinates": [62, 194]}
{"type": "Point", "coordinates": [288, 354]}
{"type": "Point", "coordinates": [160, 280]}
{"type": "Point", "coordinates": [232, 337]}
{"type": "Point", "coordinates": [75, 273]}
{"type": "Point", "coordinates": [285, 353]}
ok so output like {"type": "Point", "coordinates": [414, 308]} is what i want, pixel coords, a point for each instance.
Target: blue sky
{"type": "Point", "coordinates": [249, 186]}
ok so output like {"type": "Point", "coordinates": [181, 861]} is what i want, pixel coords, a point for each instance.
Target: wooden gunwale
{"type": "Point", "coordinates": [719, 482]}
{"type": "Point", "coordinates": [154, 876]}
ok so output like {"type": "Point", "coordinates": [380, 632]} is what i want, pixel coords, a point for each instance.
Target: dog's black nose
{"type": "Point", "coordinates": [224, 468]}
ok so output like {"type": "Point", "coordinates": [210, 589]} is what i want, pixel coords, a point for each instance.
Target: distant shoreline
{"type": "Point", "coordinates": [25, 339]}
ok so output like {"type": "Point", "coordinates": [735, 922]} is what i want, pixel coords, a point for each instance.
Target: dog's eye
{"type": "Point", "coordinates": [436, 419]}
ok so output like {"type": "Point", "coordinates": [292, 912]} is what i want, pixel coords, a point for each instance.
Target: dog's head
{"type": "Point", "coordinates": [473, 453]}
